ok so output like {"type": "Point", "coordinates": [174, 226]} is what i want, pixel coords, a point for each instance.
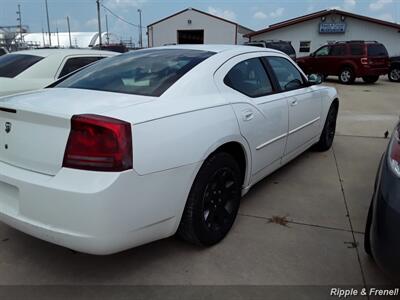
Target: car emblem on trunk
{"type": "Point", "coordinates": [8, 127]}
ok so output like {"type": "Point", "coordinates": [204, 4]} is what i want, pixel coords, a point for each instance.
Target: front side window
{"type": "Point", "coordinates": [250, 78]}
{"type": "Point", "coordinates": [143, 72]}
{"type": "Point", "coordinates": [289, 78]}
{"type": "Point", "coordinates": [324, 51]}
{"type": "Point", "coordinates": [12, 65]}
{"type": "Point", "coordinates": [75, 63]}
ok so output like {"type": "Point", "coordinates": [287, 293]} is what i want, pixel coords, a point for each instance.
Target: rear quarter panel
{"type": "Point", "coordinates": [182, 139]}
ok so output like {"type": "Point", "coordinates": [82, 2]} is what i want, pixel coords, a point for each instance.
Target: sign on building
{"type": "Point", "coordinates": [332, 27]}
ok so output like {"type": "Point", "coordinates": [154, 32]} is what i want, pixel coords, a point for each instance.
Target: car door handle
{"type": "Point", "coordinates": [248, 115]}
{"type": "Point", "coordinates": [293, 102]}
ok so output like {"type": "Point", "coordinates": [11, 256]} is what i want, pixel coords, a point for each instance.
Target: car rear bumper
{"type": "Point", "coordinates": [94, 212]}
{"type": "Point", "coordinates": [385, 238]}
{"type": "Point", "coordinates": [373, 71]}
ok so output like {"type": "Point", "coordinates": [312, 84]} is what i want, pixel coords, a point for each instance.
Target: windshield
{"type": "Point", "coordinates": [284, 47]}
{"type": "Point", "coordinates": [12, 65]}
{"type": "Point", "coordinates": [148, 72]}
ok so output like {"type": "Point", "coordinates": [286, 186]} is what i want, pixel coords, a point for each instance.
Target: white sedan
{"type": "Point", "coordinates": [155, 142]}
{"type": "Point", "coordinates": [35, 69]}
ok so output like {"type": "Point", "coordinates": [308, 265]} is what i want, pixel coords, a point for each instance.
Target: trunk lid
{"type": "Point", "coordinates": [34, 127]}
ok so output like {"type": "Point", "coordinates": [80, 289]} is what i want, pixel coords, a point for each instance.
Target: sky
{"type": "Point", "coordinates": [255, 14]}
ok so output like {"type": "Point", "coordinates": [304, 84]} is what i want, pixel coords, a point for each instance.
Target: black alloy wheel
{"type": "Point", "coordinates": [328, 133]}
{"type": "Point", "coordinates": [213, 202]}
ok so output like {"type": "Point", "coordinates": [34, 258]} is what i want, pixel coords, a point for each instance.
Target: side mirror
{"type": "Point", "coordinates": [314, 79]}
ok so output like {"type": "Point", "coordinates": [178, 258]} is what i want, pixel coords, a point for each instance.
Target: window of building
{"type": "Point", "coordinates": [250, 78]}
{"type": "Point", "coordinates": [305, 46]}
{"type": "Point", "coordinates": [286, 73]}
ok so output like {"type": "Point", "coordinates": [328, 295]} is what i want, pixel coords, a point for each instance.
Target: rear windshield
{"type": "Point", "coordinates": [377, 50]}
{"type": "Point", "coordinates": [284, 47]}
{"type": "Point", "coordinates": [256, 45]}
{"type": "Point", "coordinates": [12, 65]}
{"type": "Point", "coordinates": [148, 72]}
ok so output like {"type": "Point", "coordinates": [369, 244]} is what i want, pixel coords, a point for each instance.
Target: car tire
{"type": "Point", "coordinates": [394, 74]}
{"type": "Point", "coordinates": [367, 235]}
{"type": "Point", "coordinates": [213, 201]}
{"type": "Point", "coordinates": [328, 133]}
{"type": "Point", "coordinates": [370, 79]}
{"type": "Point", "coordinates": [347, 75]}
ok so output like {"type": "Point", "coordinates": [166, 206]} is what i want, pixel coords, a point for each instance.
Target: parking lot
{"type": "Point", "coordinates": [303, 225]}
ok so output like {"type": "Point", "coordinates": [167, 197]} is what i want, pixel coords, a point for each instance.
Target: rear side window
{"type": "Point", "coordinates": [75, 63]}
{"type": "Point", "coordinates": [338, 50]}
{"type": "Point", "coordinates": [356, 49]}
{"type": "Point", "coordinates": [376, 50]}
{"type": "Point", "coordinates": [12, 65]}
{"type": "Point", "coordinates": [289, 78]}
{"type": "Point", "coordinates": [250, 78]}
{"type": "Point", "coordinates": [143, 72]}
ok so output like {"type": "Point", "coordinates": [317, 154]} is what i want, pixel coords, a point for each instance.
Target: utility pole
{"type": "Point", "coordinates": [44, 42]}
{"type": "Point", "coordinates": [48, 22]}
{"type": "Point", "coordinates": [19, 19]}
{"type": "Point", "coordinates": [58, 37]}
{"type": "Point", "coordinates": [98, 20]}
{"type": "Point", "coordinates": [69, 33]}
{"type": "Point", "coordinates": [140, 28]}
{"type": "Point", "coordinates": [108, 37]}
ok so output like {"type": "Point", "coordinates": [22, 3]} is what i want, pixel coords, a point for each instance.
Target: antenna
{"type": "Point", "coordinates": [19, 19]}
{"type": "Point", "coordinates": [98, 20]}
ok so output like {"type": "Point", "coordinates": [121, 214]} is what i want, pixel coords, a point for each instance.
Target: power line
{"type": "Point", "coordinates": [118, 17]}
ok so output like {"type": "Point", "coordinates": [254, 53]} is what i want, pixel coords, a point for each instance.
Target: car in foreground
{"type": "Point", "coordinates": [35, 69]}
{"type": "Point", "coordinates": [394, 70]}
{"type": "Point", "coordinates": [348, 60]}
{"type": "Point", "coordinates": [155, 142]}
{"type": "Point", "coordinates": [381, 239]}
{"type": "Point", "coordinates": [284, 46]}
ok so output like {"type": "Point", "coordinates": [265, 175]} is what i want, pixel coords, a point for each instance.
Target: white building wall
{"type": "Point", "coordinates": [216, 31]}
{"type": "Point", "coordinates": [355, 30]}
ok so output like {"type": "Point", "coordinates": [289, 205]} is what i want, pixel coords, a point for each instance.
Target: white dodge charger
{"type": "Point", "coordinates": [155, 142]}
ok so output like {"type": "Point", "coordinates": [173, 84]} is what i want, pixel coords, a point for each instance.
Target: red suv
{"type": "Point", "coordinates": [348, 60]}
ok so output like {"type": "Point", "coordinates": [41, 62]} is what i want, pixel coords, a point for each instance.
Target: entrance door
{"type": "Point", "coordinates": [190, 36]}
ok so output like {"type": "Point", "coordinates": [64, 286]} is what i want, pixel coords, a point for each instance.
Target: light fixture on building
{"type": "Point", "coordinates": [323, 19]}
{"type": "Point", "coordinates": [342, 18]}
{"type": "Point", "coordinates": [189, 21]}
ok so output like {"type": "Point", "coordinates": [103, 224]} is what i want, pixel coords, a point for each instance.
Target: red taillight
{"type": "Point", "coordinates": [99, 143]}
{"type": "Point", "coordinates": [364, 61]}
{"type": "Point", "coordinates": [394, 153]}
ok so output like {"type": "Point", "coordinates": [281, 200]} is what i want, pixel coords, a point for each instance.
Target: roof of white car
{"type": "Point", "coordinates": [218, 48]}
{"type": "Point", "coordinates": [65, 52]}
